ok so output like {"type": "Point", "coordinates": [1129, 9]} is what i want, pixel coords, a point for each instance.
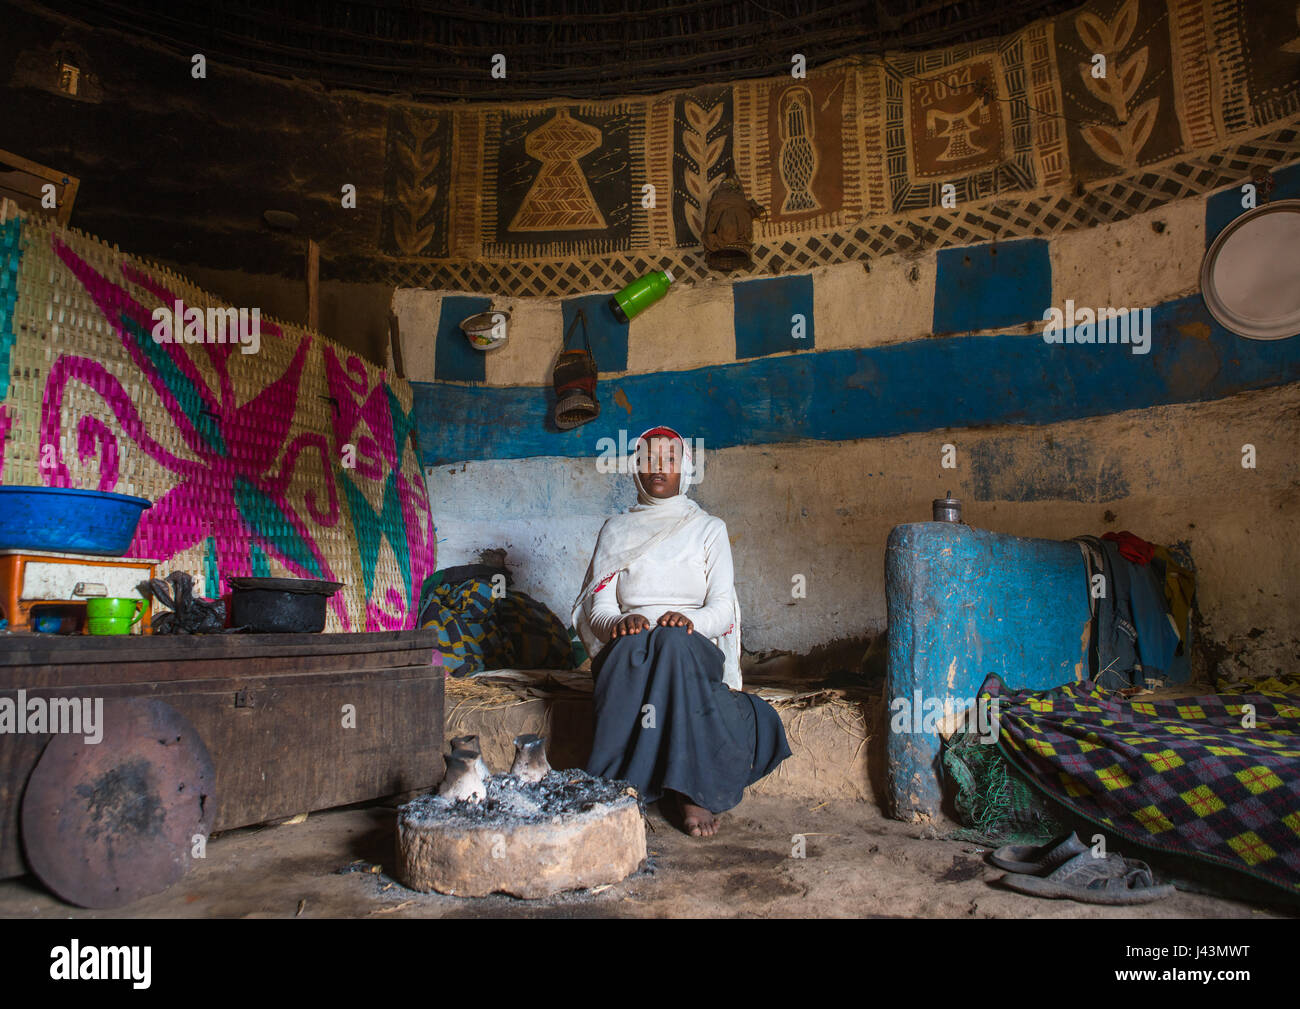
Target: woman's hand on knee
{"type": "Point", "coordinates": [633, 623]}
{"type": "Point", "coordinates": [674, 619]}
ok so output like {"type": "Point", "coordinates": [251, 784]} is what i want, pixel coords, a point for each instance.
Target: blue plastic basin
{"type": "Point", "coordinates": [68, 521]}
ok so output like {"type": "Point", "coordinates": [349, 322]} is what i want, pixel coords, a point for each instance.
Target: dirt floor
{"type": "Point", "coordinates": [858, 864]}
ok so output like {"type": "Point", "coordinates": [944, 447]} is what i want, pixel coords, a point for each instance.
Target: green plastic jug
{"type": "Point", "coordinates": [640, 295]}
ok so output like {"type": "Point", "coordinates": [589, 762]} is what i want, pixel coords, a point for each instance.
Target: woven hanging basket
{"type": "Point", "coordinates": [575, 378]}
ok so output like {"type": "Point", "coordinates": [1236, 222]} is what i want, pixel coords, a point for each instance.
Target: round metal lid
{"type": "Point", "coordinates": [302, 586]}
{"type": "Point", "coordinates": [1250, 277]}
{"type": "Point", "coordinates": [105, 823]}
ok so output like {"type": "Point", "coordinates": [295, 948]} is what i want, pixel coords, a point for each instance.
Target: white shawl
{"type": "Point", "coordinates": [628, 536]}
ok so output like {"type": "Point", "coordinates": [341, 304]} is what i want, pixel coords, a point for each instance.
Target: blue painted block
{"type": "Point", "coordinates": [987, 286]}
{"type": "Point", "coordinates": [964, 603]}
{"type": "Point", "coordinates": [608, 336]}
{"type": "Point", "coordinates": [454, 360]}
{"type": "Point", "coordinates": [765, 311]}
{"type": "Point", "coordinates": [1222, 208]}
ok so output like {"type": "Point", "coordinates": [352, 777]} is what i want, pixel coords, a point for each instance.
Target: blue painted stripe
{"type": "Point", "coordinates": [874, 392]}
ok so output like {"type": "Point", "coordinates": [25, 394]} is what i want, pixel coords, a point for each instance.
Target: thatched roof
{"type": "Point", "coordinates": [430, 50]}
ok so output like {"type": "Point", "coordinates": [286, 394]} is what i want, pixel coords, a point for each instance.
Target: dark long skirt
{"type": "Point", "coordinates": [696, 736]}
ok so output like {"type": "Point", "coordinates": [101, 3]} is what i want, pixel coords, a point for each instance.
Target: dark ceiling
{"type": "Point", "coordinates": [562, 48]}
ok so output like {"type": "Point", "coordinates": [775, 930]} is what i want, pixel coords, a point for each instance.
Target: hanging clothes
{"type": "Point", "coordinates": [1179, 580]}
{"type": "Point", "coordinates": [1112, 648]}
{"type": "Point", "coordinates": [1133, 548]}
{"type": "Point", "coordinates": [1133, 637]}
{"type": "Point", "coordinates": [1157, 637]}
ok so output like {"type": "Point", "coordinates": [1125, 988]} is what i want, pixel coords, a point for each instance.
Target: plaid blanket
{"type": "Point", "coordinates": [1190, 776]}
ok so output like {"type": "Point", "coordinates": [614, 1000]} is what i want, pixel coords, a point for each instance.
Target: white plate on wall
{"type": "Point", "coordinates": [1250, 277]}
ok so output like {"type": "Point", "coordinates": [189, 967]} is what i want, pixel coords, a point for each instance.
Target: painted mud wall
{"type": "Point", "coordinates": [823, 507]}
{"type": "Point", "coordinates": [882, 325]}
{"type": "Point", "coordinates": [295, 460]}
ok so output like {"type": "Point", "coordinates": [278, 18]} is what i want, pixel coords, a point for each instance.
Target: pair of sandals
{"type": "Point", "coordinates": [1065, 867]}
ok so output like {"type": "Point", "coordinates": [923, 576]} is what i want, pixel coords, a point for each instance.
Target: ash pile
{"type": "Point", "coordinates": [510, 799]}
{"type": "Point", "coordinates": [531, 832]}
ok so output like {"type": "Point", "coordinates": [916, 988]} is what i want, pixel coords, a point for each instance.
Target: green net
{"type": "Point", "coordinates": [994, 803]}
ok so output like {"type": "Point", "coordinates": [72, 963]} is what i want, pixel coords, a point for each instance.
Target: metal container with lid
{"type": "Point", "coordinates": [947, 508]}
{"type": "Point", "coordinates": [280, 605]}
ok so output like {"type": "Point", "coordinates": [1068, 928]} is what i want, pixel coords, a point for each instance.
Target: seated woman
{"type": "Point", "coordinates": [659, 615]}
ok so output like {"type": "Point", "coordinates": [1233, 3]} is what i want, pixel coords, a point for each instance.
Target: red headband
{"type": "Point", "coordinates": [660, 432]}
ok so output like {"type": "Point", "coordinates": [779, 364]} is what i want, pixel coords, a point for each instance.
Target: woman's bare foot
{"type": "Point", "coordinates": [696, 820]}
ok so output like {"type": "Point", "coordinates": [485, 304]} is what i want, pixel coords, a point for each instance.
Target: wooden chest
{"type": "Point", "coordinates": [293, 722]}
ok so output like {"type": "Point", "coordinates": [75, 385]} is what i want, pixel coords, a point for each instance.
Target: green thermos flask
{"type": "Point", "coordinates": [640, 294]}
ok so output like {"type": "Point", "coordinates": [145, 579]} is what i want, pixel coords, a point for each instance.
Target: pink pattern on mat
{"type": "Point", "coordinates": [252, 451]}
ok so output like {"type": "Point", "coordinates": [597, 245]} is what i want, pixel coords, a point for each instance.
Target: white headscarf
{"type": "Point", "coordinates": [634, 533]}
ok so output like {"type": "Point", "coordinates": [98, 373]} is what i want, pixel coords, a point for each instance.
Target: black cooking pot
{"type": "Point", "coordinates": [279, 605]}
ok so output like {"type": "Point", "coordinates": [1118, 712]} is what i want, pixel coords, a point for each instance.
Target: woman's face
{"type": "Point", "coordinates": [660, 466]}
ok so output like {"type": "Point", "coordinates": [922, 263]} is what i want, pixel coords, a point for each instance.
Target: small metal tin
{"type": "Point", "coordinates": [947, 509]}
